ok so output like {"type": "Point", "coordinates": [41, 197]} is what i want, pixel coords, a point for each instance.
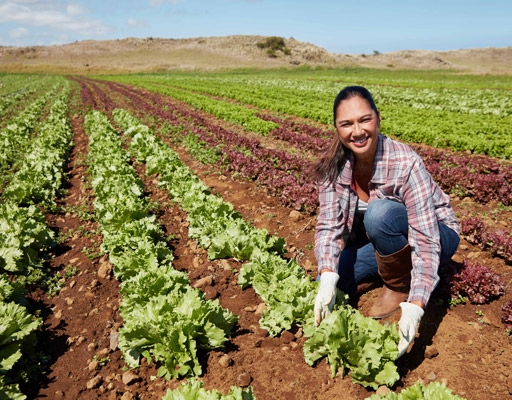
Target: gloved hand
{"type": "Point", "coordinates": [408, 325]}
{"type": "Point", "coordinates": [326, 295]}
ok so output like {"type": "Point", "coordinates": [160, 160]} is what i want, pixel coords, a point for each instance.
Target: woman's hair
{"type": "Point", "coordinates": [333, 160]}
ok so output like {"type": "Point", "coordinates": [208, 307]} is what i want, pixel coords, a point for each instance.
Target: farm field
{"type": "Point", "coordinates": [123, 174]}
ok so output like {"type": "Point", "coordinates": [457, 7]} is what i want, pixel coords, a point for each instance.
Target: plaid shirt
{"type": "Point", "coordinates": [399, 175]}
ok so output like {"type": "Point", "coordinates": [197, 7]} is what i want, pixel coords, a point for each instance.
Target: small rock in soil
{"type": "Point", "coordinates": [114, 341]}
{"type": "Point", "coordinates": [203, 282]}
{"type": "Point", "coordinates": [105, 270]}
{"type": "Point", "coordinates": [127, 396]}
{"type": "Point", "coordinates": [243, 380]}
{"type": "Point", "coordinates": [94, 382]}
{"type": "Point", "coordinates": [295, 216]}
{"type": "Point", "coordinates": [261, 307]}
{"type": "Point", "coordinates": [103, 353]}
{"type": "Point", "coordinates": [225, 361]}
{"type": "Point", "coordinates": [299, 333]}
{"type": "Point", "coordinates": [431, 376]}
{"type": "Point", "coordinates": [93, 365]}
{"type": "Point", "coordinates": [431, 352]}
{"type": "Point", "coordinates": [130, 378]}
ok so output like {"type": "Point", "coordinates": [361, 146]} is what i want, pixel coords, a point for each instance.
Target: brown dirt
{"type": "Point", "coordinates": [470, 353]}
{"type": "Point", "coordinates": [227, 52]}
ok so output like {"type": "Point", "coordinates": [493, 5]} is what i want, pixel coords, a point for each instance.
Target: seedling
{"type": "Point", "coordinates": [480, 313]}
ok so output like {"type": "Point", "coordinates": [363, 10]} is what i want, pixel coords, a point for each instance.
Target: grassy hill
{"type": "Point", "coordinates": [227, 52]}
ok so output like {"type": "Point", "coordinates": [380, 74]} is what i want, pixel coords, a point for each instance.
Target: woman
{"type": "Point", "coordinates": [381, 217]}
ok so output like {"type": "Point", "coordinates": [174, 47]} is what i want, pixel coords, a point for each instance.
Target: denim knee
{"type": "Point", "coordinates": [387, 225]}
{"type": "Point", "coordinates": [385, 216]}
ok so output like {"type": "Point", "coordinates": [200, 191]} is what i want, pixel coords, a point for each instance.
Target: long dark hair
{"type": "Point", "coordinates": [334, 158]}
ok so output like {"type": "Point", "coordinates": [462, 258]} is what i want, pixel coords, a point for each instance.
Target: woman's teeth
{"type": "Point", "coordinates": [360, 141]}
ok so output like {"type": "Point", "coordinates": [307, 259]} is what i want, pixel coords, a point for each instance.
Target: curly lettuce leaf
{"type": "Point", "coordinates": [360, 345]}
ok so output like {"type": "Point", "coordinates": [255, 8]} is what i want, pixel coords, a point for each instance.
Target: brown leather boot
{"type": "Point", "coordinates": [395, 271]}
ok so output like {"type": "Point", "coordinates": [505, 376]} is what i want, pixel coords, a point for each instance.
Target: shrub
{"type": "Point", "coordinates": [273, 44]}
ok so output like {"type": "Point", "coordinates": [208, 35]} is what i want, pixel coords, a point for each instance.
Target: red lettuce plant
{"type": "Point", "coordinates": [473, 230]}
{"type": "Point", "coordinates": [478, 283]}
{"type": "Point", "coordinates": [506, 317]}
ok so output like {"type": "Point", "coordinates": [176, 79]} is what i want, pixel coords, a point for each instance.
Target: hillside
{"type": "Point", "coordinates": [210, 53]}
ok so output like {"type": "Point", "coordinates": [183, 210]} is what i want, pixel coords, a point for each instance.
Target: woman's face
{"type": "Point", "coordinates": [358, 127]}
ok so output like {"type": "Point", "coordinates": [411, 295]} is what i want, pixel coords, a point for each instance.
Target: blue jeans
{"type": "Point", "coordinates": [387, 229]}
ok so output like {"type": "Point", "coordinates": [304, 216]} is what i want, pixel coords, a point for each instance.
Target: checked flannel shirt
{"type": "Point", "coordinates": [399, 174]}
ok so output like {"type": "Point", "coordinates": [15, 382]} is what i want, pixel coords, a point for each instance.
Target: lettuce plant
{"type": "Point", "coordinates": [478, 283]}
{"type": "Point", "coordinates": [506, 317]}
{"type": "Point", "coordinates": [418, 391]}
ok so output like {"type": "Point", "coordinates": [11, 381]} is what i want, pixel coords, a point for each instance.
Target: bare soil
{"type": "Point", "coordinates": [227, 52]}
{"type": "Point", "coordinates": [465, 347]}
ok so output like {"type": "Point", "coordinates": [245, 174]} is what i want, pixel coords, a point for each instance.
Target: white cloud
{"type": "Point", "coordinates": [17, 33]}
{"type": "Point", "coordinates": [133, 23]}
{"type": "Point", "coordinates": [75, 9]}
{"type": "Point", "coordinates": [51, 14]}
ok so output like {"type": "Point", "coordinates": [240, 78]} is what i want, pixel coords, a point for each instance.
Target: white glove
{"type": "Point", "coordinates": [326, 296]}
{"type": "Point", "coordinates": [408, 325]}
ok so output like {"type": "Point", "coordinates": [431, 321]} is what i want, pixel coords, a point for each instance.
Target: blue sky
{"type": "Point", "coordinates": [339, 26]}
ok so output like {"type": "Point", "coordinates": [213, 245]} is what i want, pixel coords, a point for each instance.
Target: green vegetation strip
{"type": "Point", "coordinates": [24, 237]}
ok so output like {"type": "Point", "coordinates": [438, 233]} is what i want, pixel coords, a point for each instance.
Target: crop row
{"type": "Point", "coordinates": [24, 238]}
{"type": "Point", "coordinates": [18, 91]}
{"type": "Point", "coordinates": [281, 174]}
{"type": "Point", "coordinates": [15, 138]}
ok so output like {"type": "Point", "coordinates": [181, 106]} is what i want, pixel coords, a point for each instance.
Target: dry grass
{"type": "Point", "coordinates": [227, 52]}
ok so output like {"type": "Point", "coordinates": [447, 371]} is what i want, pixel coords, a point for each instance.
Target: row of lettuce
{"type": "Point", "coordinates": [32, 183]}
{"type": "Point", "coordinates": [476, 119]}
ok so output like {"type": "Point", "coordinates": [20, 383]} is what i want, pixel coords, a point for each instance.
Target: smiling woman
{"type": "Point", "coordinates": [382, 218]}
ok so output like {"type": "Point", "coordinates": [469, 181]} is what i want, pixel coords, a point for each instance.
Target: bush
{"type": "Point", "coordinates": [273, 44]}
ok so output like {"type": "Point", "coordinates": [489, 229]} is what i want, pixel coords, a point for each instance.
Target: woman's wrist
{"type": "Point", "coordinates": [418, 303]}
